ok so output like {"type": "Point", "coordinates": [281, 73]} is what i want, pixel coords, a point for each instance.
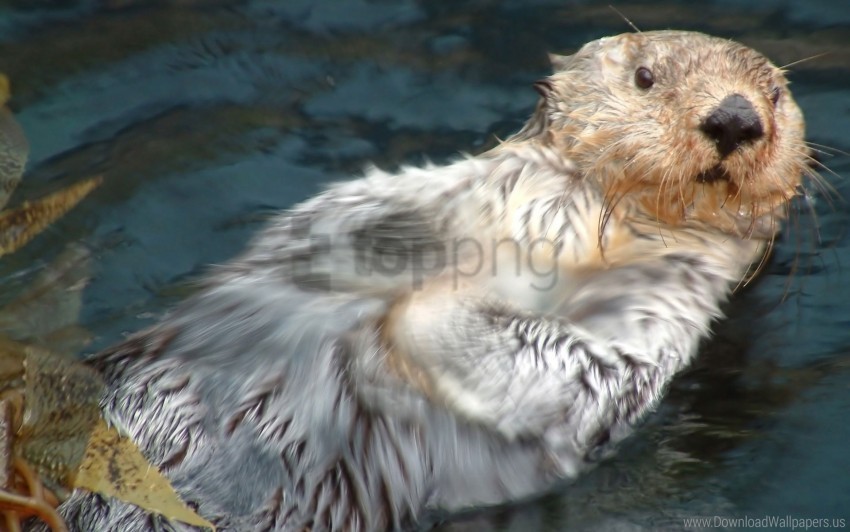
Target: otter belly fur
{"type": "Point", "coordinates": [457, 336]}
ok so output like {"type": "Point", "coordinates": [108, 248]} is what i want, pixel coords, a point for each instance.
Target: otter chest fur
{"type": "Point", "coordinates": [464, 335]}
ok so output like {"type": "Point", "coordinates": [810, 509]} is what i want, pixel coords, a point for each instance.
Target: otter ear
{"type": "Point", "coordinates": [560, 62]}
{"type": "Point", "coordinates": [543, 87]}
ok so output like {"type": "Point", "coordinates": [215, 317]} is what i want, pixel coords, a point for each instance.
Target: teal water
{"type": "Point", "coordinates": [204, 116]}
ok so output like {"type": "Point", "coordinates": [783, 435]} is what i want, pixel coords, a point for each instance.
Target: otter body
{"type": "Point", "coordinates": [465, 335]}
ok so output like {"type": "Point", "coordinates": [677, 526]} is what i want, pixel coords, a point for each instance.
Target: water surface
{"type": "Point", "coordinates": [205, 116]}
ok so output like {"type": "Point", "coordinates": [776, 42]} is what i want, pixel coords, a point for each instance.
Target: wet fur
{"type": "Point", "coordinates": [298, 390]}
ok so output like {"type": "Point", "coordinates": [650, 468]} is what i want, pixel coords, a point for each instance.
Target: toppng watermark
{"type": "Point", "coordinates": [769, 522]}
{"type": "Point", "coordinates": [534, 261]}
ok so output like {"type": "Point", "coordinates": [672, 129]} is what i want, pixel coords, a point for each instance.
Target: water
{"type": "Point", "coordinates": [204, 116]}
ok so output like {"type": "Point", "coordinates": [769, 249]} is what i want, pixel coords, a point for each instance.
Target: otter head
{"type": "Point", "coordinates": [678, 127]}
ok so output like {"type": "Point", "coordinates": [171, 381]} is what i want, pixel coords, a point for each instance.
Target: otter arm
{"type": "Point", "coordinates": [577, 379]}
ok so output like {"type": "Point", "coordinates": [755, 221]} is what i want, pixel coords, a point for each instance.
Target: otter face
{"type": "Point", "coordinates": [682, 128]}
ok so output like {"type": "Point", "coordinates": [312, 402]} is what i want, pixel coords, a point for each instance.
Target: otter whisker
{"type": "Point", "coordinates": [682, 199]}
{"type": "Point", "coordinates": [826, 150]}
{"type": "Point", "coordinates": [828, 191]}
{"type": "Point", "coordinates": [739, 194]}
{"type": "Point", "coordinates": [604, 156]}
{"type": "Point", "coordinates": [815, 163]}
{"type": "Point", "coordinates": [814, 229]}
{"type": "Point", "coordinates": [792, 213]}
{"type": "Point", "coordinates": [784, 68]}
{"type": "Point", "coordinates": [609, 203]}
{"type": "Point", "coordinates": [622, 16]}
{"type": "Point", "coordinates": [752, 273]}
{"type": "Point", "coordinates": [767, 251]}
{"type": "Point", "coordinates": [814, 215]}
{"type": "Point", "coordinates": [666, 181]}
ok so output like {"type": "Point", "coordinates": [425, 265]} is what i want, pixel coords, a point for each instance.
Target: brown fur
{"type": "Point", "coordinates": [645, 146]}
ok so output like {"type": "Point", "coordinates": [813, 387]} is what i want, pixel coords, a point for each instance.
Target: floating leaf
{"type": "Point", "coordinates": [114, 466]}
{"type": "Point", "coordinates": [61, 407]}
{"type": "Point", "coordinates": [64, 438]}
{"type": "Point", "coordinates": [20, 225]}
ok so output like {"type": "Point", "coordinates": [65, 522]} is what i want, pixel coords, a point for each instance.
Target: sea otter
{"type": "Point", "coordinates": [457, 336]}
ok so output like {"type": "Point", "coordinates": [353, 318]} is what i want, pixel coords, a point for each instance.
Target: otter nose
{"type": "Point", "coordinates": [734, 122]}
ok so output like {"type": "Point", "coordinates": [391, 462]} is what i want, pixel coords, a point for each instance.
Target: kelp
{"type": "Point", "coordinates": [52, 437]}
{"type": "Point", "coordinates": [54, 440]}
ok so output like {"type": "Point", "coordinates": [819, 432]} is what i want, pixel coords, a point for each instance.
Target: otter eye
{"type": "Point", "coordinates": [643, 78]}
{"type": "Point", "coordinates": [775, 93]}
